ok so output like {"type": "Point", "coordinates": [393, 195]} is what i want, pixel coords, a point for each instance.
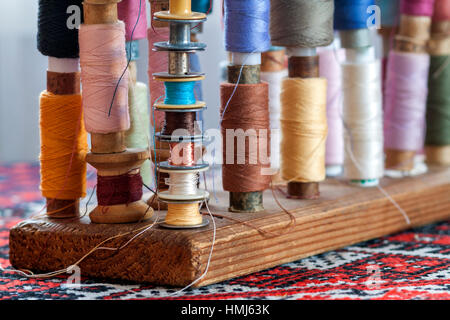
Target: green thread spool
{"type": "Point", "coordinates": [138, 134]}
{"type": "Point", "coordinates": [438, 103]}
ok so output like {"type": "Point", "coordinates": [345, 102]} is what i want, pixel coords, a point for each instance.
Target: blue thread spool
{"type": "Point", "coordinates": [180, 93]}
{"type": "Point", "coordinates": [351, 14]}
{"type": "Point", "coordinates": [246, 25]}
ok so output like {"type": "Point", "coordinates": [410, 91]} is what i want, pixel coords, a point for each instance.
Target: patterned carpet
{"type": "Point", "coordinates": [410, 265]}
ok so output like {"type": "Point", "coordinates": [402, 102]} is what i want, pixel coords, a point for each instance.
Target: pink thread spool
{"type": "Point", "coordinates": [417, 7]}
{"type": "Point", "coordinates": [330, 68]}
{"type": "Point", "coordinates": [103, 59]}
{"type": "Point", "coordinates": [128, 11]}
{"type": "Point", "coordinates": [405, 101]}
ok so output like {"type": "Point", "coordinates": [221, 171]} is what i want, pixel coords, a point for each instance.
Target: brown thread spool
{"type": "Point", "coordinates": [108, 153]}
{"type": "Point", "coordinates": [245, 179]}
{"type": "Point", "coordinates": [303, 67]}
{"type": "Point", "coordinates": [248, 201]}
{"type": "Point", "coordinates": [63, 84]}
{"type": "Point", "coordinates": [413, 36]}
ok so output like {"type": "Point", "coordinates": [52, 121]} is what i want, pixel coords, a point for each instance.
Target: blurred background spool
{"type": "Point", "coordinates": [437, 140]}
{"type": "Point", "coordinates": [273, 70]}
{"type": "Point", "coordinates": [138, 136]}
{"type": "Point", "coordinates": [410, 47]}
{"type": "Point", "coordinates": [63, 167]}
{"type": "Point", "coordinates": [330, 59]}
{"type": "Point", "coordinates": [301, 26]}
{"type": "Point", "coordinates": [390, 16]}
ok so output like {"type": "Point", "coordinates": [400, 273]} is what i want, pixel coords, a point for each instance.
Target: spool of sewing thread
{"type": "Point", "coordinates": [301, 26]}
{"type": "Point", "coordinates": [273, 70]}
{"type": "Point", "coordinates": [330, 69]}
{"type": "Point", "coordinates": [246, 36]}
{"type": "Point", "coordinates": [410, 48]}
{"type": "Point", "coordinates": [304, 129]}
{"type": "Point", "coordinates": [57, 33]}
{"type": "Point", "coordinates": [129, 11]}
{"type": "Point", "coordinates": [362, 117]}
{"type": "Point", "coordinates": [437, 141]}
{"type": "Point", "coordinates": [63, 148]}
{"type": "Point", "coordinates": [245, 163]}
{"type": "Point", "coordinates": [438, 111]}
{"type": "Point", "coordinates": [62, 167]}
{"type": "Point", "coordinates": [158, 6]}
{"type": "Point", "coordinates": [405, 101]}
{"type": "Point", "coordinates": [103, 62]}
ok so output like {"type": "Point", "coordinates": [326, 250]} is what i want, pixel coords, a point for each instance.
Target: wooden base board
{"type": "Point", "coordinates": [343, 215]}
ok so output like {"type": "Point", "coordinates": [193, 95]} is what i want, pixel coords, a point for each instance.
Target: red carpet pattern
{"type": "Point", "coordinates": [414, 264]}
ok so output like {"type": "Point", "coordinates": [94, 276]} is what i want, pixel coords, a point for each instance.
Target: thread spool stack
{"type": "Point", "coordinates": [437, 140]}
{"type": "Point", "coordinates": [105, 103]}
{"type": "Point", "coordinates": [406, 88]}
{"type": "Point", "coordinates": [362, 95]}
{"type": "Point", "coordinates": [63, 137]}
{"type": "Point", "coordinates": [244, 106]}
{"type": "Point", "coordinates": [273, 71]}
{"type": "Point", "coordinates": [134, 14]}
{"type": "Point", "coordinates": [301, 26]}
{"type": "Point", "coordinates": [179, 129]}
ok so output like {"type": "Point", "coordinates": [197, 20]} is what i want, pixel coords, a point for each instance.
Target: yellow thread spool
{"type": "Point", "coordinates": [304, 129]}
{"type": "Point", "coordinates": [183, 214]}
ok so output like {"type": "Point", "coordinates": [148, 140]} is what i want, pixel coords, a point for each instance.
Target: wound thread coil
{"type": "Point", "coordinates": [103, 60]}
{"type": "Point", "coordinates": [247, 110]}
{"type": "Point", "coordinates": [315, 29]}
{"type": "Point", "coordinates": [62, 133]}
{"type": "Point", "coordinates": [304, 129]}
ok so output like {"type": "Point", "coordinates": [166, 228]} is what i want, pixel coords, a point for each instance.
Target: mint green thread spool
{"type": "Point", "coordinates": [139, 133]}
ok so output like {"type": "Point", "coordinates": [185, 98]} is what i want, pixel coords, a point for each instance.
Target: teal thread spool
{"type": "Point", "coordinates": [179, 93]}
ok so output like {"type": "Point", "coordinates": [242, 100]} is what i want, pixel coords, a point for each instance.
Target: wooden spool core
{"type": "Point", "coordinates": [303, 67]}
{"type": "Point", "coordinates": [63, 84]}
{"type": "Point", "coordinates": [439, 155]}
{"type": "Point", "coordinates": [273, 61]}
{"type": "Point", "coordinates": [245, 201]}
{"type": "Point", "coordinates": [412, 37]}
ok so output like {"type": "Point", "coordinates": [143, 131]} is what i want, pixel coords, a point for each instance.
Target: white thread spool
{"type": "Point", "coordinates": [362, 116]}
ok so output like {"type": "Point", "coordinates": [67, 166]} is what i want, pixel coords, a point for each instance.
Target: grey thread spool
{"type": "Point", "coordinates": [301, 23]}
